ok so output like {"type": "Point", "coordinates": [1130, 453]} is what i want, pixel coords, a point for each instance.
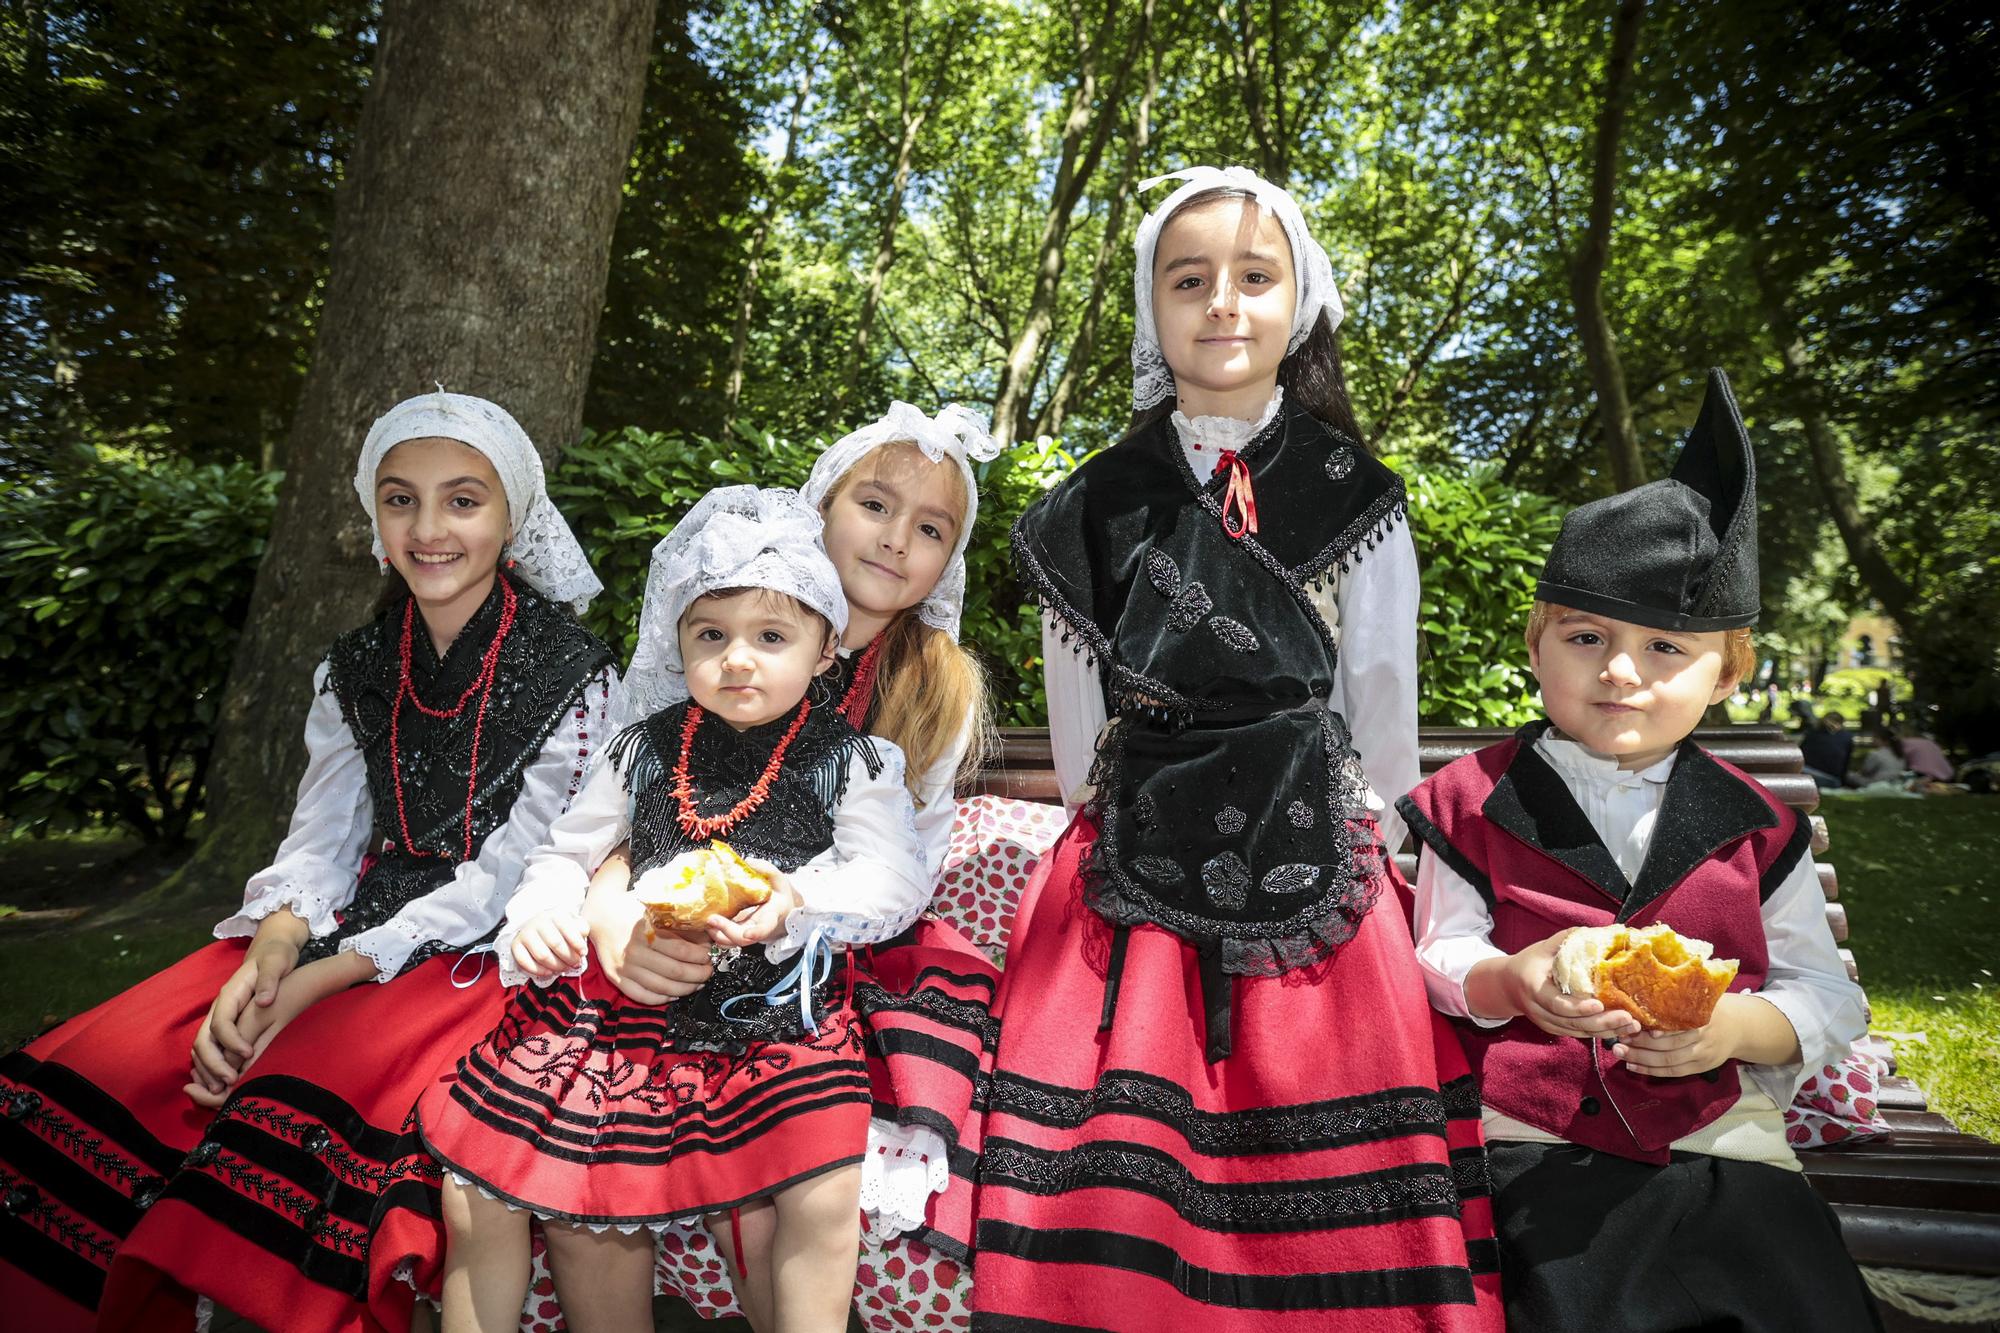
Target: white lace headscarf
{"type": "Point", "coordinates": [1152, 380]}
{"type": "Point", "coordinates": [957, 433]}
{"type": "Point", "coordinates": [545, 553]}
{"type": "Point", "coordinates": [734, 537]}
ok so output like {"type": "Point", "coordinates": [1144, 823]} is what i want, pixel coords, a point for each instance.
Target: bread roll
{"type": "Point", "coordinates": [710, 881]}
{"type": "Point", "coordinates": [1665, 981]}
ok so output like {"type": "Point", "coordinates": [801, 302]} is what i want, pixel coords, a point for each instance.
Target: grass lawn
{"type": "Point", "coordinates": [1921, 879]}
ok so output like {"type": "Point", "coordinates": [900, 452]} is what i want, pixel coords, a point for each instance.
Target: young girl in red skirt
{"type": "Point", "coordinates": [1221, 1099]}
{"type": "Point", "coordinates": [899, 500]}
{"type": "Point", "coordinates": [441, 741]}
{"type": "Point", "coordinates": [608, 1113]}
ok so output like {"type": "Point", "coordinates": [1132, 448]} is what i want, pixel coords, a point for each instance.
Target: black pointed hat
{"type": "Point", "coordinates": [1679, 554]}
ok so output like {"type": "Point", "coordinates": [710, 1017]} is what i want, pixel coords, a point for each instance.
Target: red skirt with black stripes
{"type": "Point", "coordinates": [926, 1004]}
{"type": "Point", "coordinates": [579, 1107]}
{"type": "Point", "coordinates": [1329, 1173]}
{"type": "Point", "coordinates": [128, 1199]}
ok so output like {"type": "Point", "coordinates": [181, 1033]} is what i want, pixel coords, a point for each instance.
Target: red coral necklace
{"type": "Point", "coordinates": [482, 684]}
{"type": "Point", "coordinates": [860, 696]}
{"type": "Point", "coordinates": [702, 827]}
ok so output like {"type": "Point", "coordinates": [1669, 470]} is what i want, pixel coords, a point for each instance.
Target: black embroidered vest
{"type": "Point", "coordinates": [793, 825]}
{"type": "Point", "coordinates": [539, 680]}
{"type": "Point", "coordinates": [1230, 801]}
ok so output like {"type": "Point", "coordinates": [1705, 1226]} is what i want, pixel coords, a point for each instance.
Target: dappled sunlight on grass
{"type": "Point", "coordinates": [1921, 879]}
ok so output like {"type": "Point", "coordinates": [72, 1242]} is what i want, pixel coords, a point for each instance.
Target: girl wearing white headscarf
{"type": "Point", "coordinates": [441, 741]}
{"type": "Point", "coordinates": [594, 1106]}
{"type": "Point", "coordinates": [900, 497]}
{"type": "Point", "coordinates": [1219, 1099]}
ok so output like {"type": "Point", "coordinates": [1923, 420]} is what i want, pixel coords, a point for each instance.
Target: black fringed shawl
{"type": "Point", "coordinates": [1230, 801]}
{"type": "Point", "coordinates": [544, 665]}
{"type": "Point", "coordinates": [793, 825]}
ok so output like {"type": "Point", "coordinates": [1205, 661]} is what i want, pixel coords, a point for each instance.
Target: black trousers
{"type": "Point", "coordinates": [1601, 1244]}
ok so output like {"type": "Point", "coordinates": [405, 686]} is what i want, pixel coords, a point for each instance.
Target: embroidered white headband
{"type": "Point", "coordinates": [956, 433]}
{"type": "Point", "coordinates": [1152, 380]}
{"type": "Point", "coordinates": [734, 537]}
{"type": "Point", "coordinates": [545, 553]}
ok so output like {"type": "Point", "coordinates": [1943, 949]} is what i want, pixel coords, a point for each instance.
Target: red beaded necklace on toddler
{"type": "Point", "coordinates": [860, 694]}
{"type": "Point", "coordinates": [701, 827]}
{"type": "Point", "coordinates": [482, 684]}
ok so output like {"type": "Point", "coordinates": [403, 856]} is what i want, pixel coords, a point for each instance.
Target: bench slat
{"type": "Point", "coordinates": [1924, 1196]}
{"type": "Point", "coordinates": [1925, 1238]}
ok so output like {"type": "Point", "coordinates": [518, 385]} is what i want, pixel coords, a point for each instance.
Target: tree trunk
{"type": "Point", "coordinates": [1112, 243]}
{"type": "Point", "coordinates": [1586, 273]}
{"type": "Point", "coordinates": [1087, 126]}
{"type": "Point", "coordinates": [1461, 300]}
{"type": "Point", "coordinates": [885, 246]}
{"type": "Point", "coordinates": [746, 296]}
{"type": "Point", "coordinates": [471, 244]}
{"type": "Point", "coordinates": [1829, 460]}
{"type": "Point", "coordinates": [1267, 125]}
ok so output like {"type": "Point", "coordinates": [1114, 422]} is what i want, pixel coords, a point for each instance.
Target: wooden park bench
{"type": "Point", "coordinates": [1924, 1197]}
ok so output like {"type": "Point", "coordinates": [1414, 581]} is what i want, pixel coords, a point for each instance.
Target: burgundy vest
{"type": "Point", "coordinates": [1504, 820]}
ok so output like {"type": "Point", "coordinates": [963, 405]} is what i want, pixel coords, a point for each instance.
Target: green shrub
{"type": "Point", "coordinates": [1848, 689]}
{"type": "Point", "coordinates": [1480, 544]}
{"type": "Point", "coordinates": [124, 583]}
{"type": "Point", "coordinates": [623, 490]}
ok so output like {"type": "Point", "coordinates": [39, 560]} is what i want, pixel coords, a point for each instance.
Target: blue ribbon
{"type": "Point", "coordinates": [479, 951]}
{"type": "Point", "coordinates": [815, 965]}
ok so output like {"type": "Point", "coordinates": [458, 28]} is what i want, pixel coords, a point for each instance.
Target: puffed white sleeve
{"type": "Point", "coordinates": [1378, 670]}
{"type": "Point", "coordinates": [1807, 982]}
{"type": "Point", "coordinates": [317, 864]}
{"type": "Point", "coordinates": [870, 885]}
{"type": "Point", "coordinates": [1454, 930]}
{"type": "Point", "coordinates": [937, 797]}
{"type": "Point", "coordinates": [558, 872]}
{"type": "Point", "coordinates": [1076, 711]}
{"type": "Point", "coordinates": [465, 909]}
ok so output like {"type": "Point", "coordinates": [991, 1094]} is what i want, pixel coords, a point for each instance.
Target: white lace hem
{"type": "Point", "coordinates": [388, 946]}
{"type": "Point", "coordinates": [1206, 434]}
{"type": "Point", "coordinates": [316, 908]}
{"type": "Point", "coordinates": [904, 1166]}
{"type": "Point", "coordinates": [623, 1228]}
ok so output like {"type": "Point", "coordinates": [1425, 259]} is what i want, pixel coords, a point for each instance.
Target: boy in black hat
{"type": "Point", "coordinates": [1642, 1178]}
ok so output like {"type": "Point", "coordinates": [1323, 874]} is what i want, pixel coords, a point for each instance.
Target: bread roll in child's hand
{"type": "Point", "coordinates": [710, 881]}
{"type": "Point", "coordinates": [1665, 981]}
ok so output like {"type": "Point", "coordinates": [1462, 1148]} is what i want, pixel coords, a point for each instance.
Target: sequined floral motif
{"type": "Point", "coordinates": [1234, 633]}
{"type": "Point", "coordinates": [1227, 880]}
{"type": "Point", "coordinates": [1187, 602]}
{"type": "Point", "coordinates": [1340, 464]}
{"type": "Point", "coordinates": [1144, 812]}
{"type": "Point", "coordinates": [1160, 870]}
{"type": "Point", "coordinates": [1296, 877]}
{"type": "Point", "coordinates": [1300, 814]}
{"type": "Point", "coordinates": [1229, 821]}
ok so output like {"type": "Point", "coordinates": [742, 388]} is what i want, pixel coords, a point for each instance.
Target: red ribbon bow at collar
{"type": "Point", "coordinates": [1239, 502]}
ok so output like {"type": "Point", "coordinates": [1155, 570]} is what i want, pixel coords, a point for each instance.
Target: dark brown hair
{"type": "Point", "coordinates": [1311, 373]}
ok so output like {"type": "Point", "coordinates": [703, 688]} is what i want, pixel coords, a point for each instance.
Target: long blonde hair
{"type": "Point", "coordinates": [926, 686]}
